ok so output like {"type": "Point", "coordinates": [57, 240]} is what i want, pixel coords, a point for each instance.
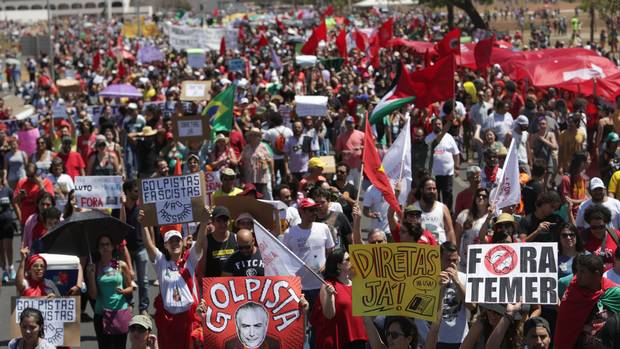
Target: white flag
{"type": "Point", "coordinates": [397, 159]}
{"type": "Point", "coordinates": [508, 189]}
{"type": "Point", "coordinates": [277, 258]}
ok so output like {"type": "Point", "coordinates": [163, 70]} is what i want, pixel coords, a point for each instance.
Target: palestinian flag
{"type": "Point", "coordinates": [402, 93]}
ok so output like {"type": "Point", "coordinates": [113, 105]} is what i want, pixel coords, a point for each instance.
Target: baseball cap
{"type": "Point", "coordinates": [250, 188]}
{"type": "Point", "coordinates": [613, 137]}
{"type": "Point", "coordinates": [596, 183]}
{"type": "Point", "coordinates": [505, 217]}
{"type": "Point", "coordinates": [242, 216]}
{"type": "Point", "coordinates": [534, 322]}
{"type": "Point", "coordinates": [220, 211]}
{"type": "Point", "coordinates": [412, 209]}
{"type": "Point", "coordinates": [227, 171]}
{"type": "Point", "coordinates": [244, 100]}
{"type": "Point", "coordinates": [316, 162]}
{"type": "Point", "coordinates": [307, 203]}
{"type": "Point", "coordinates": [100, 139]}
{"type": "Point", "coordinates": [349, 119]}
{"type": "Point", "coordinates": [172, 233]}
{"type": "Point", "coordinates": [522, 120]}
{"type": "Point", "coordinates": [142, 320]}
{"type": "Point", "coordinates": [133, 106]}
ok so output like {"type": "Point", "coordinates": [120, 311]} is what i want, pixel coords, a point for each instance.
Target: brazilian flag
{"type": "Point", "coordinates": [220, 110]}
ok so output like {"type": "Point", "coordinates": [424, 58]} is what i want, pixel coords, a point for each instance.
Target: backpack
{"type": "Point", "coordinates": [278, 143]}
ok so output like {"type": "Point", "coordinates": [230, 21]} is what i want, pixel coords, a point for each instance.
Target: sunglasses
{"type": "Point", "coordinates": [394, 335]}
{"type": "Point", "coordinates": [376, 242]}
{"type": "Point", "coordinates": [568, 235]}
{"type": "Point", "coordinates": [482, 196]}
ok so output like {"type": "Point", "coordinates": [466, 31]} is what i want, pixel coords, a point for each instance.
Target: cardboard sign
{"type": "Point", "coordinates": [196, 58]}
{"type": "Point", "coordinates": [61, 318]}
{"type": "Point", "coordinates": [236, 64]}
{"type": "Point", "coordinates": [311, 105]}
{"type": "Point", "coordinates": [183, 37]}
{"type": "Point", "coordinates": [190, 128]}
{"type": "Point", "coordinates": [253, 312]}
{"type": "Point", "coordinates": [173, 200]}
{"type": "Point", "coordinates": [507, 273]}
{"type": "Point", "coordinates": [330, 164]}
{"type": "Point", "coordinates": [195, 90]}
{"type": "Point", "coordinates": [213, 184]}
{"type": "Point", "coordinates": [400, 279]}
{"type": "Point", "coordinates": [264, 213]}
{"type": "Point", "coordinates": [98, 191]}
{"type": "Point", "coordinates": [59, 111]}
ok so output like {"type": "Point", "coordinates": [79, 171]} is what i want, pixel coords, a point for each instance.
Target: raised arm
{"type": "Point", "coordinates": [357, 225]}
{"type": "Point", "coordinates": [21, 273]}
{"type": "Point", "coordinates": [374, 339]}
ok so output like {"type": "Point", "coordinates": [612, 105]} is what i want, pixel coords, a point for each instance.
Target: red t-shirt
{"type": "Point", "coordinates": [39, 231]}
{"type": "Point", "coordinates": [427, 238]}
{"type": "Point", "coordinates": [73, 163]}
{"type": "Point", "coordinates": [86, 145]}
{"type": "Point", "coordinates": [463, 200]}
{"type": "Point", "coordinates": [594, 246]}
{"type": "Point", "coordinates": [28, 205]}
{"type": "Point", "coordinates": [237, 142]}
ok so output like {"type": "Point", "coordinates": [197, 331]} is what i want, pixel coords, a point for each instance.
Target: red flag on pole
{"type": "Point", "coordinates": [386, 32]}
{"type": "Point", "coordinates": [341, 43]}
{"type": "Point", "coordinates": [241, 34]}
{"type": "Point", "coordinates": [373, 169]}
{"type": "Point", "coordinates": [96, 61]}
{"type": "Point", "coordinates": [438, 79]}
{"type": "Point", "coordinates": [262, 41]}
{"type": "Point", "coordinates": [329, 11]}
{"type": "Point", "coordinates": [360, 39]}
{"type": "Point", "coordinates": [483, 51]}
{"type": "Point", "coordinates": [427, 59]}
{"type": "Point", "coordinates": [319, 33]}
{"type": "Point", "coordinates": [280, 24]}
{"type": "Point", "coordinates": [450, 44]}
{"type": "Point", "coordinates": [223, 47]}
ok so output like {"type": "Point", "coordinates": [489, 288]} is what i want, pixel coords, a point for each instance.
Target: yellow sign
{"type": "Point", "coordinates": [400, 279]}
{"type": "Point", "coordinates": [130, 30]}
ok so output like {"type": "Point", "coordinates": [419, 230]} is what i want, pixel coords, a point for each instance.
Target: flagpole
{"type": "Point", "coordinates": [402, 157]}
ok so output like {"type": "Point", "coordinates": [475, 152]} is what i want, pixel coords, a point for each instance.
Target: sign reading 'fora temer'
{"type": "Point", "coordinates": [509, 273]}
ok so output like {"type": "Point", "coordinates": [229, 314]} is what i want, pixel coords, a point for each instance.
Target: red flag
{"type": "Point", "coordinates": [280, 24]}
{"type": "Point", "coordinates": [328, 11]}
{"type": "Point", "coordinates": [427, 59]}
{"type": "Point", "coordinates": [120, 74]}
{"type": "Point", "coordinates": [373, 169]}
{"type": "Point", "coordinates": [360, 39]}
{"type": "Point", "coordinates": [319, 33]}
{"type": "Point", "coordinates": [241, 34]}
{"type": "Point", "coordinates": [178, 169]}
{"type": "Point", "coordinates": [300, 14]}
{"type": "Point", "coordinates": [386, 32]}
{"type": "Point", "coordinates": [373, 54]}
{"type": "Point", "coordinates": [119, 40]}
{"type": "Point", "coordinates": [223, 47]}
{"type": "Point", "coordinates": [216, 12]}
{"type": "Point", "coordinates": [341, 43]}
{"type": "Point", "coordinates": [483, 51]}
{"type": "Point", "coordinates": [451, 43]}
{"type": "Point", "coordinates": [96, 61]}
{"type": "Point", "coordinates": [438, 80]}
{"type": "Point", "coordinates": [262, 41]}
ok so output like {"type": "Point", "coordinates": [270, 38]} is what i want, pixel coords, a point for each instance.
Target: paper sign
{"type": "Point", "coordinates": [330, 164]}
{"type": "Point", "coordinates": [98, 191]}
{"type": "Point", "coordinates": [61, 318]}
{"type": "Point", "coordinates": [173, 200]}
{"type": "Point", "coordinates": [190, 128]}
{"type": "Point", "coordinates": [148, 54]}
{"type": "Point", "coordinates": [253, 312]}
{"type": "Point", "coordinates": [59, 111]}
{"type": "Point", "coordinates": [184, 38]}
{"type": "Point", "coordinates": [236, 64]}
{"type": "Point", "coordinates": [213, 184]}
{"type": "Point", "coordinates": [311, 105]}
{"type": "Point", "coordinates": [507, 273]}
{"type": "Point", "coordinates": [195, 90]}
{"type": "Point", "coordinates": [196, 58]}
{"type": "Point", "coordinates": [400, 279]}
{"type": "Point", "coordinates": [28, 140]}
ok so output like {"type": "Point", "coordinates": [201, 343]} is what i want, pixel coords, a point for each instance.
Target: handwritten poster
{"type": "Point", "coordinates": [196, 58]}
{"type": "Point", "coordinates": [173, 200]}
{"type": "Point", "coordinates": [195, 90]}
{"type": "Point", "coordinates": [236, 64]}
{"type": "Point", "coordinates": [400, 279]}
{"type": "Point", "coordinates": [98, 191]}
{"type": "Point", "coordinates": [253, 312]}
{"type": "Point", "coordinates": [148, 54]}
{"type": "Point", "coordinates": [507, 273]}
{"type": "Point", "coordinates": [190, 128]}
{"type": "Point", "coordinates": [311, 105]}
{"type": "Point", "coordinates": [213, 184]}
{"type": "Point", "coordinates": [61, 317]}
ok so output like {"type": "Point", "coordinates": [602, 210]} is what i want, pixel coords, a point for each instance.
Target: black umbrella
{"type": "Point", "coordinates": [79, 234]}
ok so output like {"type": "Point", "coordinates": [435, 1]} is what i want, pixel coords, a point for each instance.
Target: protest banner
{"type": "Point", "coordinates": [28, 140]}
{"type": "Point", "coordinates": [190, 128]}
{"type": "Point", "coordinates": [236, 64]}
{"type": "Point", "coordinates": [173, 200]}
{"type": "Point", "coordinates": [59, 111]}
{"type": "Point", "coordinates": [196, 58]}
{"type": "Point", "coordinates": [400, 279]}
{"type": "Point", "coordinates": [266, 214]}
{"type": "Point", "coordinates": [311, 105]}
{"type": "Point", "coordinates": [194, 90]}
{"type": "Point", "coordinates": [148, 54]}
{"type": "Point", "coordinates": [61, 317]}
{"type": "Point", "coordinates": [212, 184]}
{"type": "Point", "coordinates": [183, 37]}
{"type": "Point", "coordinates": [507, 273]}
{"type": "Point", "coordinates": [330, 164]}
{"type": "Point", "coordinates": [98, 191]}
{"type": "Point", "coordinates": [253, 312]}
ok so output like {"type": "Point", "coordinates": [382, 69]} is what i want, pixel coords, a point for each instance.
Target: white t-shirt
{"type": "Point", "coordinates": [443, 154]}
{"type": "Point", "coordinates": [374, 200]}
{"type": "Point", "coordinates": [612, 204]}
{"type": "Point", "coordinates": [433, 220]}
{"type": "Point", "coordinates": [309, 245]}
{"type": "Point", "coordinates": [272, 135]}
{"type": "Point", "coordinates": [612, 275]}
{"type": "Point", "coordinates": [468, 236]}
{"type": "Point", "coordinates": [453, 328]}
{"type": "Point", "coordinates": [175, 293]}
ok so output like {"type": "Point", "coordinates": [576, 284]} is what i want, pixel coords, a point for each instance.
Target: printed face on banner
{"type": "Point", "coordinates": [400, 279]}
{"type": "Point", "coordinates": [98, 191]}
{"type": "Point", "coordinates": [507, 273]}
{"type": "Point", "coordinates": [257, 312]}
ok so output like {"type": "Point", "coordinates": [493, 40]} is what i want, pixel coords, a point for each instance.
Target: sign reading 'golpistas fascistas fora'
{"type": "Point", "coordinates": [253, 312]}
{"type": "Point", "coordinates": [509, 273]}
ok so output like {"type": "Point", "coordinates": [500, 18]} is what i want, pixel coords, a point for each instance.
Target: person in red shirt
{"type": "Point", "coordinates": [86, 139]}
{"type": "Point", "coordinates": [599, 239]}
{"type": "Point", "coordinates": [237, 142]}
{"type": "Point", "coordinates": [72, 160]}
{"type": "Point", "coordinates": [410, 228]}
{"type": "Point", "coordinates": [466, 197]}
{"type": "Point", "coordinates": [27, 191]}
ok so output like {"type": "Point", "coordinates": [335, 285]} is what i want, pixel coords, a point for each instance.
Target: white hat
{"type": "Point", "coordinates": [596, 183]}
{"type": "Point", "coordinates": [522, 120]}
{"type": "Point", "coordinates": [172, 233]}
{"type": "Point", "coordinates": [244, 100]}
{"type": "Point", "coordinates": [133, 106]}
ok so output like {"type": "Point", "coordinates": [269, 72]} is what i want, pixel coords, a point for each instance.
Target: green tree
{"type": "Point", "coordinates": [466, 6]}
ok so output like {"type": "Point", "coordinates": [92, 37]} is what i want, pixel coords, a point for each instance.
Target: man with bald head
{"type": "Point", "coordinates": [246, 261]}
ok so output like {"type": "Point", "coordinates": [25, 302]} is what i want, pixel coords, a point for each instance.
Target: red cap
{"type": "Point", "coordinates": [307, 203]}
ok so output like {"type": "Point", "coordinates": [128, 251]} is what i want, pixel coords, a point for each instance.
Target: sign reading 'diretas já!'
{"type": "Point", "coordinates": [508, 273]}
{"type": "Point", "coordinates": [174, 199]}
{"type": "Point", "coordinates": [400, 279]}
{"type": "Point", "coordinates": [253, 312]}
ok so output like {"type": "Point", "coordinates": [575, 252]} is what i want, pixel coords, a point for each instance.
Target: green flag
{"type": "Point", "coordinates": [220, 110]}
